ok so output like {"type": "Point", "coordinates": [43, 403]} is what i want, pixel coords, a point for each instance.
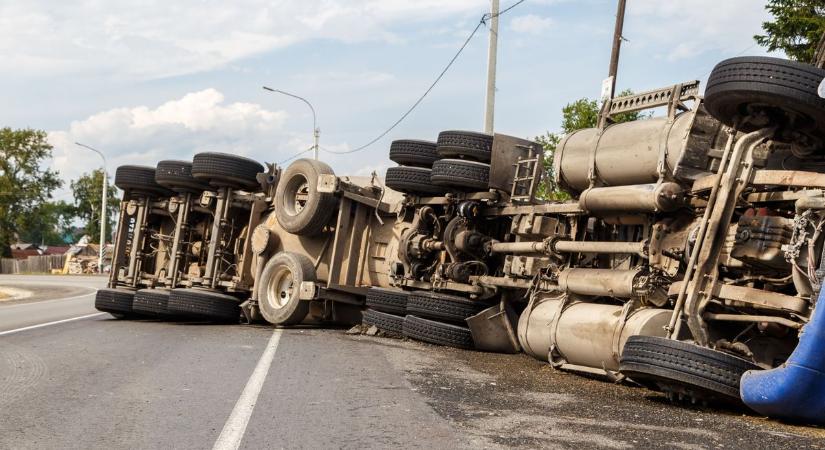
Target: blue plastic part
{"type": "Point", "coordinates": [794, 391]}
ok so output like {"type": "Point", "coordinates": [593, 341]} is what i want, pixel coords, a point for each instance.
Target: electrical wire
{"type": "Point", "coordinates": [297, 155]}
{"type": "Point", "coordinates": [483, 21]}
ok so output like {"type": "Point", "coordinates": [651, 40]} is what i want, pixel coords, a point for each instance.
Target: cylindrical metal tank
{"type": "Point", "coordinates": [586, 334]}
{"type": "Point", "coordinates": [642, 198]}
{"type": "Point", "coordinates": [598, 282]}
{"type": "Point", "coordinates": [622, 154]}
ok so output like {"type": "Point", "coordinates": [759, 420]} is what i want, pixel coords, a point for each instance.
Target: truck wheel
{"type": "Point", "coordinates": [683, 369]}
{"type": "Point", "coordinates": [447, 308]}
{"type": "Point", "coordinates": [177, 176]}
{"type": "Point", "coordinates": [437, 332]}
{"type": "Point", "coordinates": [223, 170]}
{"type": "Point", "coordinates": [387, 300]}
{"type": "Point", "coordinates": [139, 180]}
{"type": "Point", "coordinates": [152, 302]}
{"type": "Point", "coordinates": [461, 174]}
{"type": "Point", "coordinates": [414, 153]}
{"type": "Point", "coordinates": [299, 207]}
{"type": "Point", "coordinates": [465, 144]}
{"type": "Point", "coordinates": [788, 87]}
{"type": "Point", "coordinates": [412, 180]}
{"type": "Point", "coordinates": [205, 305]}
{"type": "Point", "coordinates": [388, 323]}
{"type": "Point", "coordinates": [117, 302]}
{"type": "Point", "coordinates": [279, 288]}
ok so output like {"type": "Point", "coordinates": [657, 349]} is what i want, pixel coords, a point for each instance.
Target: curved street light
{"type": "Point", "coordinates": [316, 132]}
{"type": "Point", "coordinates": [103, 215]}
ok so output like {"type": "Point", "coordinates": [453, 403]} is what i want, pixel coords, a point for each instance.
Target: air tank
{"type": "Point", "coordinates": [631, 153]}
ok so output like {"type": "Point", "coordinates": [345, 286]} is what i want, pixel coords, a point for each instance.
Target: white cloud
{"type": "Point", "coordinates": [177, 129]}
{"type": "Point", "coordinates": [679, 29]}
{"type": "Point", "coordinates": [154, 38]}
{"type": "Point", "coordinates": [531, 24]}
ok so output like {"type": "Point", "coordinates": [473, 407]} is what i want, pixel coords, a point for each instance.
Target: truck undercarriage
{"type": "Point", "coordinates": [690, 255]}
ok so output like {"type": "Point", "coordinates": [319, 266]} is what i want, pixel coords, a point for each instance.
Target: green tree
{"type": "Point", "coordinates": [796, 29]}
{"type": "Point", "coordinates": [88, 192]}
{"type": "Point", "coordinates": [49, 223]}
{"type": "Point", "coordinates": [24, 184]}
{"type": "Point", "coordinates": [582, 113]}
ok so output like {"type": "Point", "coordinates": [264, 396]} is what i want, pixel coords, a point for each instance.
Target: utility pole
{"type": "Point", "coordinates": [103, 215]}
{"type": "Point", "coordinates": [316, 132]}
{"type": "Point", "coordinates": [490, 103]}
{"type": "Point", "coordinates": [617, 46]}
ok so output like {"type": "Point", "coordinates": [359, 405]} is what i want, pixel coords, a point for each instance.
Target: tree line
{"type": "Point", "coordinates": [28, 211]}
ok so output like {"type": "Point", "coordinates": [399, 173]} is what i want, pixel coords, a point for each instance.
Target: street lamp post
{"type": "Point", "coordinates": [316, 132]}
{"type": "Point", "coordinates": [103, 212]}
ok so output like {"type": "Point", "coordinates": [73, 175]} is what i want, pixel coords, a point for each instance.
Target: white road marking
{"type": "Point", "coordinates": [32, 327]}
{"type": "Point", "coordinates": [235, 427]}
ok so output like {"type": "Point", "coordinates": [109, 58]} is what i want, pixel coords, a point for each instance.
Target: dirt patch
{"type": "Point", "coordinates": [10, 293]}
{"type": "Point", "coordinates": [516, 401]}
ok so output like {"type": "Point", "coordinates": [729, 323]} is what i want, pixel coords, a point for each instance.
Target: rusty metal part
{"type": "Point", "coordinates": [784, 196]}
{"type": "Point", "coordinates": [519, 247]}
{"type": "Point", "coordinates": [787, 178]}
{"type": "Point", "coordinates": [550, 208]}
{"type": "Point", "coordinates": [599, 282]}
{"type": "Point", "coordinates": [744, 296]}
{"type": "Point", "coordinates": [640, 198]}
{"type": "Point", "coordinates": [216, 236]}
{"type": "Point", "coordinates": [555, 246]}
{"type": "Point", "coordinates": [177, 253]}
{"type": "Point", "coordinates": [675, 324]}
{"type": "Point", "coordinates": [609, 247]}
{"type": "Point", "coordinates": [758, 241]}
{"type": "Point", "coordinates": [701, 284]}
{"type": "Point", "coordinates": [755, 319]}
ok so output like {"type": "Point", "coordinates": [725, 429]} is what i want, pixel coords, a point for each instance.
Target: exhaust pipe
{"type": "Point", "coordinates": [794, 391]}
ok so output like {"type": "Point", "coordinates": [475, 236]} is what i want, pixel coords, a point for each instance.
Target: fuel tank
{"type": "Point", "coordinates": [635, 152]}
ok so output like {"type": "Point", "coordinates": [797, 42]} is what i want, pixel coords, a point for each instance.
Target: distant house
{"type": "Point", "coordinates": [22, 250]}
{"type": "Point", "coordinates": [56, 249]}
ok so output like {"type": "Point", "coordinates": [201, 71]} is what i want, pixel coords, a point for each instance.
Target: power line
{"type": "Point", "coordinates": [483, 21]}
{"type": "Point", "coordinates": [297, 155]}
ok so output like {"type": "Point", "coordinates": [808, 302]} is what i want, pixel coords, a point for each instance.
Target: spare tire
{"type": "Point", "coordinates": [224, 170]}
{"type": "Point", "coordinates": [299, 207]}
{"type": "Point", "coordinates": [414, 153]}
{"type": "Point", "coordinates": [461, 174]}
{"type": "Point", "coordinates": [205, 305]}
{"type": "Point", "coordinates": [787, 89]}
{"type": "Point", "coordinates": [465, 144]}
{"type": "Point", "coordinates": [443, 307]}
{"type": "Point", "coordinates": [438, 333]}
{"type": "Point", "coordinates": [139, 180]}
{"type": "Point", "coordinates": [279, 288]}
{"type": "Point", "coordinates": [412, 180]}
{"type": "Point", "coordinates": [177, 176]}
{"type": "Point", "coordinates": [684, 369]}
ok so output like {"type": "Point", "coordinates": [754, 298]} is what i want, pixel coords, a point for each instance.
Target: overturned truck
{"type": "Point", "coordinates": [690, 256]}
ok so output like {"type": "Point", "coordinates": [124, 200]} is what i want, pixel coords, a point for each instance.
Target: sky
{"type": "Point", "coordinates": [144, 80]}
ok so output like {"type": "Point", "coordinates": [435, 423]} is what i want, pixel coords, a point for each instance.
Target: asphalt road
{"type": "Point", "coordinates": [97, 382]}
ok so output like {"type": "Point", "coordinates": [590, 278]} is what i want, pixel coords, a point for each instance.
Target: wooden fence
{"type": "Point", "coordinates": [32, 264]}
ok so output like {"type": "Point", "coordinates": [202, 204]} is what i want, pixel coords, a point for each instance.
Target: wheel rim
{"type": "Point", "coordinates": [297, 195]}
{"type": "Point", "coordinates": [280, 288]}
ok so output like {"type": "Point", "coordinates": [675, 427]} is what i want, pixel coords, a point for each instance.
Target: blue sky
{"type": "Point", "coordinates": [148, 80]}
